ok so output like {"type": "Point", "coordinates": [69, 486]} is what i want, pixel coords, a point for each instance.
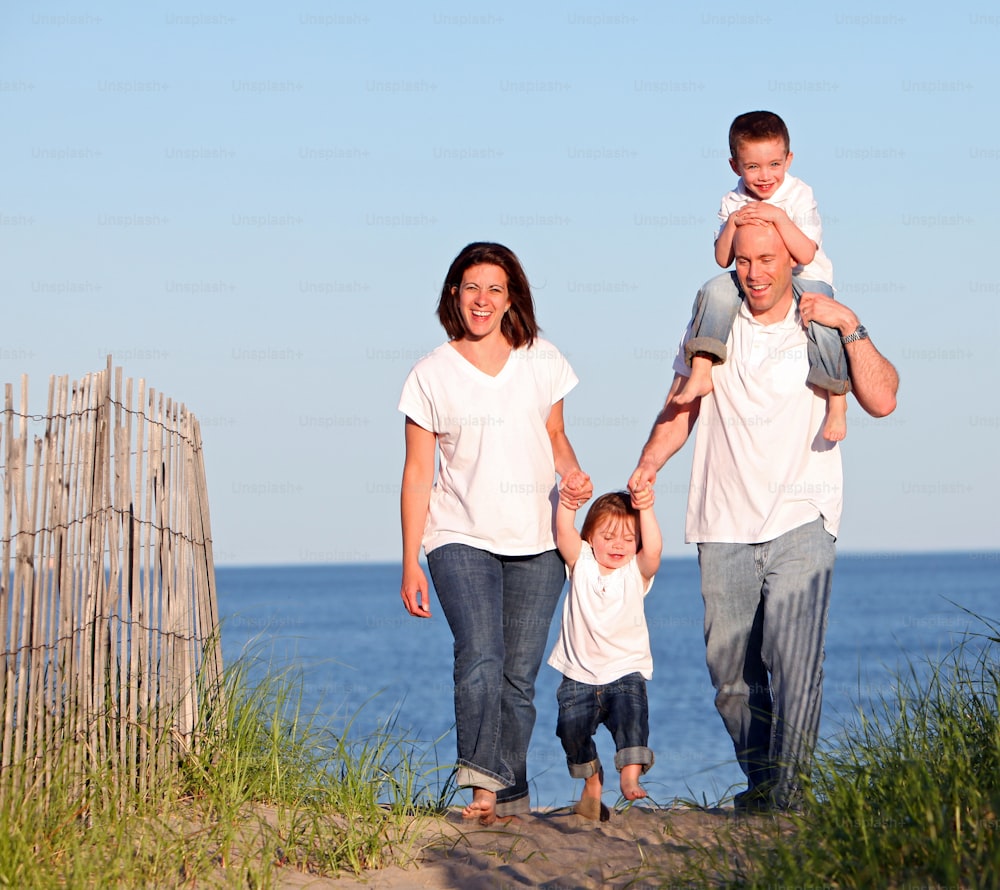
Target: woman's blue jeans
{"type": "Point", "coordinates": [766, 609]}
{"type": "Point", "coordinates": [499, 609]}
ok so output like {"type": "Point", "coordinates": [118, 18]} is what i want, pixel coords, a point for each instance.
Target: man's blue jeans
{"type": "Point", "coordinates": [715, 309]}
{"type": "Point", "coordinates": [622, 706]}
{"type": "Point", "coordinates": [499, 609]}
{"type": "Point", "coordinates": [766, 609]}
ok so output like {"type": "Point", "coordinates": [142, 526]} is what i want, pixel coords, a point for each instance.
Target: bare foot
{"type": "Point", "coordinates": [631, 789]}
{"type": "Point", "coordinates": [589, 805]}
{"type": "Point", "coordinates": [698, 384]}
{"type": "Point", "coordinates": [835, 428]}
{"type": "Point", "coordinates": [483, 807]}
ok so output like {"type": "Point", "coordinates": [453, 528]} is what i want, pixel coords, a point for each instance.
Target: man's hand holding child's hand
{"type": "Point", "coordinates": [643, 498]}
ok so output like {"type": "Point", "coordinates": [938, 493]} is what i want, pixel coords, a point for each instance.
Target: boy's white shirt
{"type": "Point", "coordinates": [797, 200]}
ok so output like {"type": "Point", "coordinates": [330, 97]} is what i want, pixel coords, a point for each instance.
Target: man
{"type": "Point", "coordinates": [764, 508]}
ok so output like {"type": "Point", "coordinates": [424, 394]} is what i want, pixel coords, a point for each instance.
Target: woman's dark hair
{"type": "Point", "coordinates": [518, 326]}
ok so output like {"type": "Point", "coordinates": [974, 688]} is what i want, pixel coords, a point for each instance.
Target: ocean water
{"type": "Point", "coordinates": [362, 659]}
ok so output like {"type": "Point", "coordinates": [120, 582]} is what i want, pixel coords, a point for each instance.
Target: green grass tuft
{"type": "Point", "coordinates": [268, 788]}
{"type": "Point", "coordinates": [908, 797]}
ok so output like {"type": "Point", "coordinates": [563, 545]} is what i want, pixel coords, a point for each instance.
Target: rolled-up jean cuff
{"type": "Point", "coordinates": [817, 377]}
{"type": "Point", "coordinates": [709, 345]}
{"type": "Point", "coordinates": [469, 777]}
{"type": "Point", "coordinates": [517, 807]}
{"type": "Point", "coordinates": [585, 770]}
{"type": "Point", "coordinates": [637, 754]}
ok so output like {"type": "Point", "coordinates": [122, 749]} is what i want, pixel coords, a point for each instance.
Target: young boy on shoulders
{"type": "Point", "coordinates": [767, 194]}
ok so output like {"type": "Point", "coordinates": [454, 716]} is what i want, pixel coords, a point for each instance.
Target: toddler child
{"type": "Point", "coordinates": [765, 193]}
{"type": "Point", "coordinates": [603, 646]}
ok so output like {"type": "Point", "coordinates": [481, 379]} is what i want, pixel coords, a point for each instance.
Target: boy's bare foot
{"type": "Point", "coordinates": [631, 789]}
{"type": "Point", "coordinates": [835, 427]}
{"type": "Point", "coordinates": [589, 805]}
{"type": "Point", "coordinates": [698, 384]}
{"type": "Point", "coordinates": [483, 807]}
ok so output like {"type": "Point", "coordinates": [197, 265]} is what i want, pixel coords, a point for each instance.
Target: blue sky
{"type": "Point", "coordinates": [252, 207]}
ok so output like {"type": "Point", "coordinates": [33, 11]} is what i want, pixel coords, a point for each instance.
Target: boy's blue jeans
{"type": "Point", "coordinates": [499, 609]}
{"type": "Point", "coordinates": [621, 706]}
{"type": "Point", "coordinates": [766, 609]}
{"type": "Point", "coordinates": [716, 306]}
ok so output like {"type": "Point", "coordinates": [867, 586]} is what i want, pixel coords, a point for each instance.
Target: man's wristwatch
{"type": "Point", "coordinates": [859, 334]}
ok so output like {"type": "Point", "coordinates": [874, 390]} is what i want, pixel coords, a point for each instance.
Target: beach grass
{"type": "Point", "coordinates": [268, 788]}
{"type": "Point", "coordinates": [907, 797]}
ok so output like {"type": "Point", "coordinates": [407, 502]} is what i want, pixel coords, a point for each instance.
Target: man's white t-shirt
{"type": "Point", "coordinates": [761, 466]}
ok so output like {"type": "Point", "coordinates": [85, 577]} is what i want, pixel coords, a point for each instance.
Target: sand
{"type": "Point", "coordinates": [638, 847]}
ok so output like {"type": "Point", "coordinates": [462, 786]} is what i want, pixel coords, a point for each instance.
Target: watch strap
{"type": "Point", "coordinates": [859, 334]}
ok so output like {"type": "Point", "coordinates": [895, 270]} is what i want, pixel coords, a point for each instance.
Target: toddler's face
{"type": "Point", "coordinates": [762, 165]}
{"type": "Point", "coordinates": [614, 543]}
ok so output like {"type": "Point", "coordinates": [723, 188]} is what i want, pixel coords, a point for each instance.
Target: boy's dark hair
{"type": "Point", "coordinates": [757, 126]}
{"type": "Point", "coordinates": [616, 505]}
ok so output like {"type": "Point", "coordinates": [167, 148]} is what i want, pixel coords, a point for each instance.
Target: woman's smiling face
{"type": "Point", "coordinates": [483, 299]}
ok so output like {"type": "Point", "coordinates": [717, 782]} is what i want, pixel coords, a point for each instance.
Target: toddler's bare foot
{"type": "Point", "coordinates": [589, 805]}
{"type": "Point", "coordinates": [483, 807]}
{"type": "Point", "coordinates": [835, 427]}
{"type": "Point", "coordinates": [631, 789]}
{"type": "Point", "coordinates": [698, 384]}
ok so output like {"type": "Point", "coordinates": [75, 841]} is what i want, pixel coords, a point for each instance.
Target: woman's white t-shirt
{"type": "Point", "coordinates": [496, 481]}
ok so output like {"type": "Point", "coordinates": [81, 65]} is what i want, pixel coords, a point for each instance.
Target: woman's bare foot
{"type": "Point", "coordinates": [835, 427]}
{"type": "Point", "coordinates": [483, 807]}
{"type": "Point", "coordinates": [699, 383]}
{"type": "Point", "coordinates": [631, 789]}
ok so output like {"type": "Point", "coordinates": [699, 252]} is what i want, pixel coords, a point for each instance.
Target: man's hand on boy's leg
{"type": "Point", "coordinates": [827, 311]}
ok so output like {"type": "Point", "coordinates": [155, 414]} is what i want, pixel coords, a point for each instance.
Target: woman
{"type": "Point", "coordinates": [490, 400]}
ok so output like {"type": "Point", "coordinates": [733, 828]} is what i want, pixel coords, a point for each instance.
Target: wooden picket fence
{"type": "Point", "coordinates": [108, 615]}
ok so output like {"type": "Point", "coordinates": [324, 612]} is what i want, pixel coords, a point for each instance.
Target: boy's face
{"type": "Point", "coordinates": [762, 165]}
{"type": "Point", "coordinates": [614, 543]}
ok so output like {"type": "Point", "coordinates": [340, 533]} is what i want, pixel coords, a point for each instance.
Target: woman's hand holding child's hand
{"type": "Point", "coordinates": [576, 490]}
